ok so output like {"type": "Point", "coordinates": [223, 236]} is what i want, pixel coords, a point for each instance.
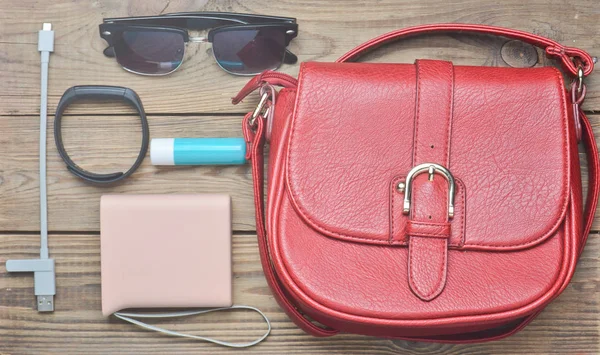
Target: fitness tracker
{"type": "Point", "coordinates": [99, 92]}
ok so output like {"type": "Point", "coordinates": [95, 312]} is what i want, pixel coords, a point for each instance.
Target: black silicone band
{"type": "Point", "coordinates": [99, 92]}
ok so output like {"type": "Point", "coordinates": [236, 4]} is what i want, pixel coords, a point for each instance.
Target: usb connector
{"type": "Point", "coordinates": [46, 39]}
{"type": "Point", "coordinates": [43, 279]}
{"type": "Point", "coordinates": [45, 303]}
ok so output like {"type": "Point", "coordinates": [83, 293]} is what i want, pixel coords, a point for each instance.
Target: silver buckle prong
{"type": "Point", "coordinates": [431, 168]}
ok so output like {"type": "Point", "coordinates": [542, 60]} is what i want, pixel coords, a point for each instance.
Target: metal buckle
{"type": "Point", "coordinates": [431, 168]}
{"type": "Point", "coordinates": [260, 109]}
{"type": "Point", "coordinates": [578, 92]}
{"type": "Point", "coordinates": [265, 108]}
{"type": "Point", "coordinates": [580, 77]}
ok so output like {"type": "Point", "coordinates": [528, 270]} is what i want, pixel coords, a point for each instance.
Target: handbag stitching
{"type": "Point", "coordinates": [306, 294]}
{"type": "Point", "coordinates": [441, 283]}
{"type": "Point", "coordinates": [462, 217]}
{"type": "Point", "coordinates": [429, 235]}
{"type": "Point", "coordinates": [432, 234]}
{"type": "Point", "coordinates": [448, 114]}
{"type": "Point", "coordinates": [451, 115]}
{"type": "Point", "coordinates": [289, 149]}
{"type": "Point", "coordinates": [563, 102]}
{"type": "Point", "coordinates": [391, 214]}
{"type": "Point", "coordinates": [313, 223]}
{"type": "Point", "coordinates": [417, 114]}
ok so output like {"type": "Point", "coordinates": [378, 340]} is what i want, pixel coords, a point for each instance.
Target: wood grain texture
{"type": "Point", "coordinates": [195, 102]}
{"type": "Point", "coordinates": [109, 144]}
{"type": "Point", "coordinates": [327, 30]}
{"type": "Point", "coordinates": [568, 326]}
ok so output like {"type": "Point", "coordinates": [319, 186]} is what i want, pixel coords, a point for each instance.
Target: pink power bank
{"type": "Point", "coordinates": [165, 251]}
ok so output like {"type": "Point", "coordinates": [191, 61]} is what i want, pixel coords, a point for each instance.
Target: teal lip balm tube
{"type": "Point", "coordinates": [198, 151]}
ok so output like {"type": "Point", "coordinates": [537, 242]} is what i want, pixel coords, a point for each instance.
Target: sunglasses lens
{"type": "Point", "coordinates": [249, 51]}
{"type": "Point", "coordinates": [150, 52]}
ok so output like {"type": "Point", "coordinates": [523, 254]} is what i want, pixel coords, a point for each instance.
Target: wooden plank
{"type": "Point", "coordinates": [201, 90]}
{"type": "Point", "coordinates": [327, 30]}
{"type": "Point", "coordinates": [571, 324]}
{"type": "Point", "coordinates": [109, 144]}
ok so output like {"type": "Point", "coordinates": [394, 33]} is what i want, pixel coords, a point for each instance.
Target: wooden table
{"type": "Point", "coordinates": [194, 102]}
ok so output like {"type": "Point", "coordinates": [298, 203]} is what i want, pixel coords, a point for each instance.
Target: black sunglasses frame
{"type": "Point", "coordinates": [231, 16]}
{"type": "Point", "coordinates": [291, 30]}
{"type": "Point", "coordinates": [108, 31]}
{"type": "Point", "coordinates": [180, 22]}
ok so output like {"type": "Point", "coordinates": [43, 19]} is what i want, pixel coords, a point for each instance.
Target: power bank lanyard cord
{"type": "Point", "coordinates": [129, 317]}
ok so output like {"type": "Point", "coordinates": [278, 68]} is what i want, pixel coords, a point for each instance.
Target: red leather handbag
{"type": "Point", "coordinates": [423, 201]}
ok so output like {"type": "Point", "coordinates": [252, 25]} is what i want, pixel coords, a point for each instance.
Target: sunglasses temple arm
{"type": "Point", "coordinates": [290, 58]}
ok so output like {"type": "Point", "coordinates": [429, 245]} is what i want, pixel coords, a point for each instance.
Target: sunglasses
{"type": "Point", "coordinates": [242, 44]}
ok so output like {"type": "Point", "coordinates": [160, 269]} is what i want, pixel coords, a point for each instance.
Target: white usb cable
{"type": "Point", "coordinates": [42, 268]}
{"type": "Point", "coordinates": [45, 46]}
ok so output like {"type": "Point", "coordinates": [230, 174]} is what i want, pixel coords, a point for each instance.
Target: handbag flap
{"type": "Point", "coordinates": [351, 142]}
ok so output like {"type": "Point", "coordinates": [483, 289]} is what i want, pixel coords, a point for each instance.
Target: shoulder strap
{"type": "Point", "coordinates": [570, 57]}
{"type": "Point", "coordinates": [593, 163]}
